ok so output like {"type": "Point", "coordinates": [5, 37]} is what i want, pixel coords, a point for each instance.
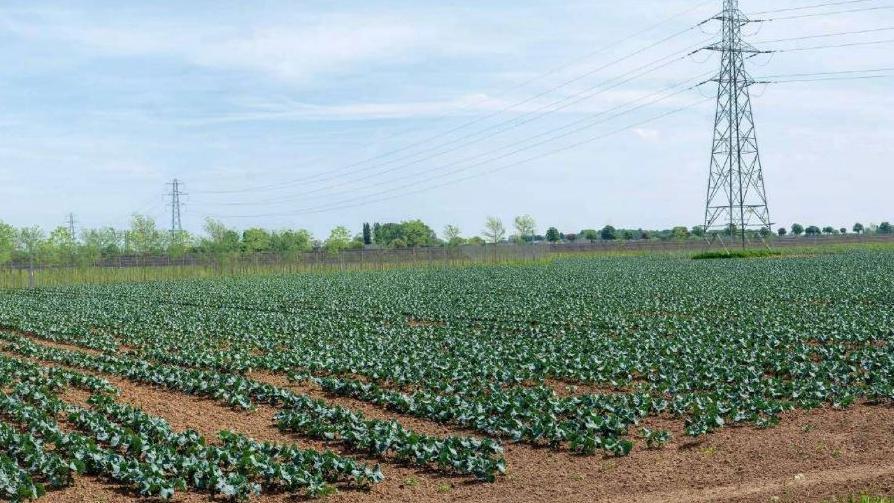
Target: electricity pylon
{"type": "Point", "coordinates": [176, 226]}
{"type": "Point", "coordinates": [737, 199]}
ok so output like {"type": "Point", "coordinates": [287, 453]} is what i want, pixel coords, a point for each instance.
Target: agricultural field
{"type": "Point", "coordinates": [584, 379]}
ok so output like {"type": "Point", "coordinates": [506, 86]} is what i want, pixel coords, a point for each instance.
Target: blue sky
{"type": "Point", "coordinates": [104, 102]}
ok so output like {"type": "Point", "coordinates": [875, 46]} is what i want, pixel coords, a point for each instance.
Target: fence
{"type": "Point", "coordinates": [149, 268]}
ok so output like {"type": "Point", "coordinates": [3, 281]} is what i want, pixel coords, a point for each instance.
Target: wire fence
{"type": "Point", "coordinates": [139, 268]}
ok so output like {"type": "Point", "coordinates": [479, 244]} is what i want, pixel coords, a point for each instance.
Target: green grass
{"type": "Point", "coordinates": [723, 254]}
{"type": "Point", "coordinates": [863, 498]}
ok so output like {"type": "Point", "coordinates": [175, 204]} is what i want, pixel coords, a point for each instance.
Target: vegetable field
{"type": "Point", "coordinates": [548, 381]}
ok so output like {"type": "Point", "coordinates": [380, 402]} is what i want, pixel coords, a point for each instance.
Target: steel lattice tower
{"type": "Point", "coordinates": [175, 206]}
{"type": "Point", "coordinates": [736, 200]}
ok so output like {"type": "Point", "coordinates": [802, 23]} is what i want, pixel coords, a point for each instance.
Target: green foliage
{"type": "Point", "coordinates": [655, 438]}
{"type": "Point", "coordinates": [608, 233]}
{"type": "Point", "coordinates": [411, 233]}
{"type": "Point", "coordinates": [339, 239]}
{"type": "Point", "coordinates": [797, 229]}
{"type": "Point", "coordinates": [493, 232]}
{"type": "Point", "coordinates": [727, 254]}
{"type": "Point", "coordinates": [552, 235]}
{"type": "Point", "coordinates": [438, 344]}
{"type": "Point", "coordinates": [525, 228]}
{"type": "Point", "coordinates": [7, 242]}
{"type": "Point", "coordinates": [590, 235]}
{"type": "Point", "coordinates": [143, 237]}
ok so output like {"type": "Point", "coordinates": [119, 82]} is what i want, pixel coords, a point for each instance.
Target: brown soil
{"type": "Point", "coordinates": [811, 456]}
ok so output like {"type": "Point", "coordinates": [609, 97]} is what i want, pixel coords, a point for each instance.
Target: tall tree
{"type": "Point", "coordinates": [144, 236]}
{"type": "Point", "coordinates": [220, 238]}
{"type": "Point", "coordinates": [608, 233]}
{"type": "Point", "coordinates": [553, 235]}
{"type": "Point", "coordinates": [452, 234]}
{"type": "Point", "coordinates": [590, 235]}
{"type": "Point", "coordinates": [782, 231]}
{"type": "Point", "coordinates": [256, 240]}
{"type": "Point", "coordinates": [494, 231]}
{"type": "Point", "coordinates": [858, 228]}
{"type": "Point", "coordinates": [7, 242]}
{"type": "Point", "coordinates": [367, 234]}
{"type": "Point", "coordinates": [885, 228]}
{"type": "Point", "coordinates": [339, 239]}
{"type": "Point", "coordinates": [797, 229]}
{"type": "Point", "coordinates": [62, 246]}
{"type": "Point", "coordinates": [525, 227]}
{"type": "Point", "coordinates": [31, 240]}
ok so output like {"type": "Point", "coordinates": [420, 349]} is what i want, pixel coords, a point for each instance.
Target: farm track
{"type": "Point", "coordinates": [810, 456]}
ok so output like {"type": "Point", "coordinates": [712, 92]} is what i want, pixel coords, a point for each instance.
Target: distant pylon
{"type": "Point", "coordinates": [737, 199]}
{"type": "Point", "coordinates": [71, 224]}
{"type": "Point", "coordinates": [175, 194]}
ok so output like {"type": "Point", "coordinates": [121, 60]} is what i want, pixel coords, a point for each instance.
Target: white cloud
{"type": "Point", "coordinates": [646, 134]}
{"type": "Point", "coordinates": [290, 52]}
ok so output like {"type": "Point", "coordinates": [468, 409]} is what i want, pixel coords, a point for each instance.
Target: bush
{"type": "Point", "coordinates": [720, 254]}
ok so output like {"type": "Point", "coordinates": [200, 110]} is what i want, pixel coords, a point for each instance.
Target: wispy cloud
{"type": "Point", "coordinates": [290, 52]}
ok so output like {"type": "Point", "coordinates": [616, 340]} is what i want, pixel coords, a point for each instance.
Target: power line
{"type": "Point", "coordinates": [826, 35]}
{"type": "Point", "coordinates": [807, 7]}
{"type": "Point", "coordinates": [401, 188]}
{"type": "Point", "coordinates": [311, 178]}
{"type": "Point", "coordinates": [821, 14]}
{"type": "Point", "coordinates": [404, 193]}
{"type": "Point", "coordinates": [833, 46]}
{"type": "Point", "coordinates": [582, 96]}
{"type": "Point", "coordinates": [816, 74]}
{"type": "Point", "coordinates": [863, 77]}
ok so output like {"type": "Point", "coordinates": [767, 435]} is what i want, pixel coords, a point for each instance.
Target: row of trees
{"type": "Point", "coordinates": [858, 228]}
{"type": "Point", "coordinates": [144, 238]}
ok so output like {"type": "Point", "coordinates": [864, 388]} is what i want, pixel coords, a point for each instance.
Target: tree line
{"type": "Point", "coordinates": [143, 237]}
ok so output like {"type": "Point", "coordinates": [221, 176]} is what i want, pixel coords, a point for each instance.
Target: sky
{"type": "Point", "coordinates": [311, 114]}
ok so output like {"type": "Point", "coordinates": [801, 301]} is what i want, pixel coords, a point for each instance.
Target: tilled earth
{"type": "Point", "coordinates": [813, 455]}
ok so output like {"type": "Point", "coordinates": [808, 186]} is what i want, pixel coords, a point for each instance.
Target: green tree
{"type": "Point", "coordinates": [842, 230]}
{"type": "Point", "coordinates": [339, 239]}
{"type": "Point", "coordinates": [590, 235]}
{"type": "Point", "coordinates": [103, 242]}
{"type": "Point", "coordinates": [452, 235]}
{"type": "Point", "coordinates": [698, 231]}
{"type": "Point", "coordinates": [143, 236]}
{"type": "Point", "coordinates": [552, 235]}
{"type": "Point", "coordinates": [885, 228]}
{"type": "Point", "coordinates": [858, 228]}
{"type": "Point", "coordinates": [367, 234]}
{"type": "Point", "coordinates": [797, 229]}
{"type": "Point", "coordinates": [376, 236]}
{"type": "Point", "coordinates": [525, 227]}
{"type": "Point", "coordinates": [220, 239]}
{"type": "Point", "coordinates": [417, 233]}
{"type": "Point", "coordinates": [7, 242]}
{"type": "Point", "coordinates": [256, 240]}
{"type": "Point", "coordinates": [291, 241]}
{"type": "Point", "coordinates": [828, 230]}
{"type": "Point", "coordinates": [62, 247]}
{"type": "Point", "coordinates": [680, 233]}
{"type": "Point", "coordinates": [493, 231]}
{"type": "Point", "coordinates": [608, 233]}
{"type": "Point", "coordinates": [812, 230]}
{"type": "Point", "coordinates": [782, 231]}
{"type": "Point", "coordinates": [32, 241]}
